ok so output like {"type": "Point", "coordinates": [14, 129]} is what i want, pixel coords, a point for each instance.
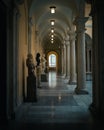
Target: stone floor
{"type": "Point", "coordinates": [57, 107]}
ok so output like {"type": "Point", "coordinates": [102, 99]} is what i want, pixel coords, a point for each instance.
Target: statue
{"type": "Point", "coordinates": [30, 64]}
{"type": "Point", "coordinates": [43, 68]}
{"type": "Point", "coordinates": [38, 70]}
{"type": "Point", "coordinates": [43, 63]}
{"type": "Point", "coordinates": [38, 59]}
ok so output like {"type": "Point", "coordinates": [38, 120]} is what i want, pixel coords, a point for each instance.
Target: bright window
{"type": "Point", "coordinates": [52, 60]}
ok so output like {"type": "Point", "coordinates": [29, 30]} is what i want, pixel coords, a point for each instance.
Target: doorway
{"type": "Point", "coordinates": [52, 61]}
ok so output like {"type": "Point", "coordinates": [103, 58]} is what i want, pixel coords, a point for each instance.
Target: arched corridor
{"type": "Point", "coordinates": [52, 64]}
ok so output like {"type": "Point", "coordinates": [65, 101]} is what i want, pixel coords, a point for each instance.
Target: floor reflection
{"type": "Point", "coordinates": [52, 79]}
{"type": "Point", "coordinates": [57, 104]}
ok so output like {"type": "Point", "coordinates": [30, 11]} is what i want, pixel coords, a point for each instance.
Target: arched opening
{"type": "Point", "coordinates": [52, 60]}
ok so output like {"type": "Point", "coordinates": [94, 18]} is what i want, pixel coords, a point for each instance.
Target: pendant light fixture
{"type": "Point", "coordinates": [52, 9]}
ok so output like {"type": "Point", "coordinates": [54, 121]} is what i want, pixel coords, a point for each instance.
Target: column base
{"type": "Point", "coordinates": [81, 91]}
{"type": "Point", "coordinates": [72, 83]}
{"type": "Point", "coordinates": [64, 75]}
{"type": "Point", "coordinates": [43, 77]}
{"type": "Point", "coordinates": [31, 89]}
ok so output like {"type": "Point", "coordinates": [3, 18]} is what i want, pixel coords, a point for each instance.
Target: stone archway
{"type": "Point", "coordinates": [56, 66]}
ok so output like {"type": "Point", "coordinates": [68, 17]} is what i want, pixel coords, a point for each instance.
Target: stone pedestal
{"type": "Point", "coordinates": [43, 77]}
{"type": "Point", "coordinates": [38, 76]}
{"type": "Point", "coordinates": [31, 88]}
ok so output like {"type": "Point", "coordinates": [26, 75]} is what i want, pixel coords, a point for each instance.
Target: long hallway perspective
{"type": "Point", "coordinates": [37, 37]}
{"type": "Point", "coordinates": [57, 107]}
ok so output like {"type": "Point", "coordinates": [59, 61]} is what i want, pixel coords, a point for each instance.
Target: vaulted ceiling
{"type": "Point", "coordinates": [66, 11]}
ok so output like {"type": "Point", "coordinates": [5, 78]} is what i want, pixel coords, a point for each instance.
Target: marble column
{"type": "Point", "coordinates": [81, 61]}
{"type": "Point", "coordinates": [72, 79]}
{"type": "Point", "coordinates": [67, 58]}
{"type": "Point", "coordinates": [62, 50]}
{"type": "Point", "coordinates": [64, 63]}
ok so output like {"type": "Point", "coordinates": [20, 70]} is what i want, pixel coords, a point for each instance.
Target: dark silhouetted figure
{"type": "Point", "coordinates": [38, 70]}
{"type": "Point", "coordinates": [38, 59]}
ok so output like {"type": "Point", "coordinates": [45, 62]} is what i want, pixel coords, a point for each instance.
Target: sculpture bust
{"type": "Point", "coordinates": [43, 63]}
{"type": "Point", "coordinates": [30, 64]}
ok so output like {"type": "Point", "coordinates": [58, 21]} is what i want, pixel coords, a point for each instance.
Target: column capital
{"type": "Point", "coordinates": [67, 38]}
{"type": "Point", "coordinates": [80, 20]}
{"type": "Point", "coordinates": [67, 41]}
{"type": "Point", "coordinates": [64, 46]}
{"type": "Point", "coordinates": [72, 35]}
{"type": "Point", "coordinates": [80, 24]}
